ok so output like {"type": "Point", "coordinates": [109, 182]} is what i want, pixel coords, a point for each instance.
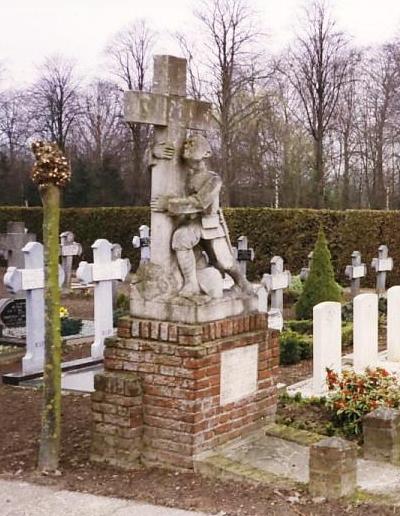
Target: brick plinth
{"type": "Point", "coordinates": [159, 398]}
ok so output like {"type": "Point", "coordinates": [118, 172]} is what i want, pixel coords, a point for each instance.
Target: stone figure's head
{"type": "Point", "coordinates": [196, 148]}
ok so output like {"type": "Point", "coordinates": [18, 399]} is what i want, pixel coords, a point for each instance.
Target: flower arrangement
{"type": "Point", "coordinates": [354, 395]}
{"type": "Point", "coordinates": [69, 326]}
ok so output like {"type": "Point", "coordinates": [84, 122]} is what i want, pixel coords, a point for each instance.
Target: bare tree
{"type": "Point", "coordinates": [231, 60]}
{"type": "Point", "coordinates": [318, 69]}
{"type": "Point", "coordinates": [129, 53]}
{"type": "Point", "coordinates": [54, 100]}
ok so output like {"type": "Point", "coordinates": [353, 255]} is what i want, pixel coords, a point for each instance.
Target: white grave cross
{"type": "Point", "coordinates": [243, 254]}
{"type": "Point", "coordinates": [143, 242]}
{"type": "Point", "coordinates": [382, 265]}
{"type": "Point", "coordinates": [276, 282]}
{"type": "Point", "coordinates": [305, 271]}
{"type": "Point", "coordinates": [355, 272]}
{"type": "Point", "coordinates": [68, 249]}
{"type": "Point", "coordinates": [102, 273]}
{"type": "Point", "coordinates": [31, 281]}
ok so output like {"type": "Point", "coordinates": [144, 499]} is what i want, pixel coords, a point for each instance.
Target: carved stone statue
{"type": "Point", "coordinates": [201, 238]}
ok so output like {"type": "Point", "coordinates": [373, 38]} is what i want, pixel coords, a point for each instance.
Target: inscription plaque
{"type": "Point", "coordinates": [239, 372]}
{"type": "Point", "coordinates": [13, 313]}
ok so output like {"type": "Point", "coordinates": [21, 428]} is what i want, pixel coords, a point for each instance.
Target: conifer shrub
{"type": "Point", "coordinates": [320, 285]}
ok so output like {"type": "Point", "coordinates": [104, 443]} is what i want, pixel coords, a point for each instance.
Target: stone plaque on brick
{"type": "Point", "coordinates": [239, 369]}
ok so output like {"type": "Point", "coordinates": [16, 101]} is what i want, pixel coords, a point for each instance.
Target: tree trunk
{"type": "Point", "coordinates": [51, 414]}
{"type": "Point", "coordinates": [318, 182]}
{"type": "Point", "coordinates": [346, 175]}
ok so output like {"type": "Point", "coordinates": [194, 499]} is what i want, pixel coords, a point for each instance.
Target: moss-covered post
{"type": "Point", "coordinates": [51, 172]}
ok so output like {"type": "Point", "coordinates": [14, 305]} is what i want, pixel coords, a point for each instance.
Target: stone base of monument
{"type": "Point", "coordinates": [199, 309]}
{"type": "Point", "coordinates": [72, 365]}
{"type": "Point", "coordinates": [172, 391]}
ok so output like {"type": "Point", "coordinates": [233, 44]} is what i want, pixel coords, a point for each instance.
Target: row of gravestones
{"type": "Point", "coordinates": [29, 280]}
{"type": "Point", "coordinates": [327, 339]}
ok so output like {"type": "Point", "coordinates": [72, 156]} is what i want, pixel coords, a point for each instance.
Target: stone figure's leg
{"type": "Point", "coordinates": [184, 240]}
{"type": "Point", "coordinates": [227, 262]}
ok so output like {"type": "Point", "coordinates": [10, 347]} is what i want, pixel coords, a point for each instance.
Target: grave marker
{"type": "Point", "coordinates": [382, 265]}
{"type": "Point", "coordinates": [13, 312]}
{"type": "Point", "coordinates": [276, 282]}
{"type": "Point", "coordinates": [30, 280]}
{"type": "Point", "coordinates": [243, 254]}
{"type": "Point", "coordinates": [102, 272]}
{"type": "Point", "coordinates": [68, 249]}
{"type": "Point", "coordinates": [305, 271]}
{"type": "Point", "coordinates": [365, 332]}
{"type": "Point", "coordinates": [116, 253]}
{"type": "Point", "coordinates": [393, 324]}
{"type": "Point", "coordinates": [355, 272]}
{"type": "Point", "coordinates": [142, 242]}
{"type": "Point", "coordinates": [327, 342]}
{"type": "Point", "coordinates": [12, 243]}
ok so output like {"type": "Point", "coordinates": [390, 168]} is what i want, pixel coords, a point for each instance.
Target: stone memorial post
{"type": "Point", "coordinates": [365, 321]}
{"type": "Point", "coordinates": [102, 272]}
{"type": "Point", "coordinates": [171, 113]}
{"type": "Point", "coordinates": [382, 265]}
{"type": "Point", "coordinates": [12, 242]}
{"type": "Point", "coordinates": [116, 254]}
{"type": "Point", "coordinates": [327, 343]}
{"type": "Point", "coordinates": [31, 281]}
{"type": "Point", "coordinates": [243, 254]}
{"type": "Point", "coordinates": [142, 242]}
{"type": "Point", "coordinates": [305, 271]}
{"type": "Point", "coordinates": [68, 249]}
{"type": "Point", "coordinates": [276, 282]}
{"type": "Point", "coordinates": [355, 272]}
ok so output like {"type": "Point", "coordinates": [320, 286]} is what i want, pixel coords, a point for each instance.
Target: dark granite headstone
{"type": "Point", "coordinates": [13, 313]}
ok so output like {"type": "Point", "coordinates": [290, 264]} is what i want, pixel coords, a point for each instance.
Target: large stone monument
{"type": "Point", "coordinates": [193, 365]}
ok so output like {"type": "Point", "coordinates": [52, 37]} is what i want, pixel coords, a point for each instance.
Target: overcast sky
{"type": "Point", "coordinates": [80, 29]}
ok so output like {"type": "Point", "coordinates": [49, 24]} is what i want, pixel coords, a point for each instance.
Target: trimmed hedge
{"type": "Point", "coordinates": [290, 233]}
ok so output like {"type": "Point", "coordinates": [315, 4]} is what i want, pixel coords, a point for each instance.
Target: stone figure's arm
{"type": "Point", "coordinates": [199, 201]}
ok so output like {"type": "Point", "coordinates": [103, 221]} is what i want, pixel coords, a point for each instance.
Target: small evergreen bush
{"type": "Point", "coordinates": [320, 285]}
{"type": "Point", "coordinates": [294, 347]}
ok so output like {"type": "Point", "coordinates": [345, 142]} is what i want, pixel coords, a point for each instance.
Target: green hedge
{"type": "Point", "coordinates": [290, 233]}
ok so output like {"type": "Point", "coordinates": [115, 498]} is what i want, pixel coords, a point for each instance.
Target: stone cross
{"type": "Point", "coordinates": [355, 272]}
{"type": "Point", "coordinates": [172, 114]}
{"type": "Point", "coordinates": [116, 254]}
{"type": "Point", "coordinates": [68, 249]}
{"type": "Point", "coordinates": [382, 265]}
{"type": "Point", "coordinates": [12, 242]}
{"type": "Point", "coordinates": [305, 271]}
{"type": "Point", "coordinates": [276, 282]}
{"type": "Point", "coordinates": [243, 254]}
{"type": "Point", "coordinates": [102, 272]}
{"type": "Point", "coordinates": [30, 280]}
{"type": "Point", "coordinates": [142, 242]}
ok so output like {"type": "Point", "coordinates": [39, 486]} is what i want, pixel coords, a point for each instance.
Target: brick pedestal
{"type": "Point", "coordinates": [158, 401]}
{"type": "Point", "coordinates": [381, 429]}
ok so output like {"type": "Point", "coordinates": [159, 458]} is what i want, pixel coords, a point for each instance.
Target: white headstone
{"type": "Point", "coordinates": [327, 343]}
{"type": "Point", "coordinates": [382, 265]}
{"type": "Point", "coordinates": [365, 331]}
{"type": "Point", "coordinates": [102, 272]}
{"type": "Point", "coordinates": [239, 373]}
{"type": "Point", "coordinates": [393, 324]}
{"type": "Point", "coordinates": [276, 282]}
{"type": "Point", "coordinates": [305, 271]}
{"type": "Point", "coordinates": [243, 254]}
{"type": "Point", "coordinates": [355, 272]}
{"type": "Point", "coordinates": [12, 243]}
{"type": "Point", "coordinates": [143, 243]}
{"type": "Point", "coordinates": [68, 249]}
{"type": "Point", "coordinates": [31, 281]}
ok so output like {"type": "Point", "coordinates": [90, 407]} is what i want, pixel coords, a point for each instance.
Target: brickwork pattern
{"type": "Point", "coordinates": [177, 368]}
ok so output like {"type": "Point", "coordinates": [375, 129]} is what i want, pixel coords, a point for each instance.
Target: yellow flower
{"type": "Point", "coordinates": [63, 312]}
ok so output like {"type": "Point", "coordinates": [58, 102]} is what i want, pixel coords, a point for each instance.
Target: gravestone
{"type": "Point", "coordinates": [116, 254]}
{"type": "Point", "coordinates": [243, 254]}
{"type": "Point", "coordinates": [13, 312]}
{"type": "Point", "coordinates": [68, 249]}
{"type": "Point", "coordinates": [327, 343]}
{"type": "Point", "coordinates": [142, 242]}
{"type": "Point", "coordinates": [365, 331]}
{"type": "Point", "coordinates": [382, 265]}
{"type": "Point", "coordinates": [276, 282]}
{"type": "Point", "coordinates": [12, 243]}
{"type": "Point", "coordinates": [30, 280]}
{"type": "Point", "coordinates": [305, 271]}
{"type": "Point", "coordinates": [102, 272]}
{"type": "Point", "coordinates": [393, 324]}
{"type": "Point", "coordinates": [355, 272]}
